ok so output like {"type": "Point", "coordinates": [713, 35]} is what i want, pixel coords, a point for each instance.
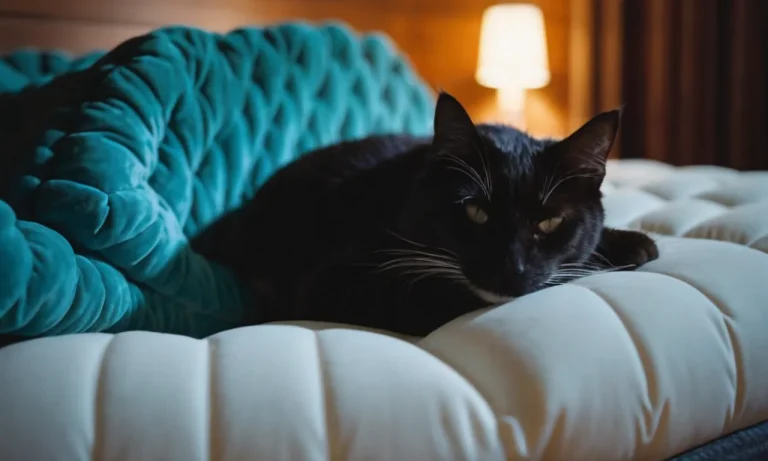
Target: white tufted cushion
{"type": "Point", "coordinates": [694, 201]}
{"type": "Point", "coordinates": [618, 366]}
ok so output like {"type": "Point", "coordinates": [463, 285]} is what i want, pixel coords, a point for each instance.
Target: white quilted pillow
{"type": "Point", "coordinates": [619, 366]}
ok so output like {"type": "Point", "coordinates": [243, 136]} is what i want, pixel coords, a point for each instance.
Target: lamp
{"type": "Point", "coordinates": [513, 56]}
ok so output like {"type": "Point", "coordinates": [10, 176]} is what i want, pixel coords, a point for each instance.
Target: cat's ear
{"type": "Point", "coordinates": [586, 150]}
{"type": "Point", "coordinates": [452, 124]}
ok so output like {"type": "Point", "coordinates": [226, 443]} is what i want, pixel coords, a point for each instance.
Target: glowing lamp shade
{"type": "Point", "coordinates": [513, 52]}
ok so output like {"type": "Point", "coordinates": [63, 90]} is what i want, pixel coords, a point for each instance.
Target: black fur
{"type": "Point", "coordinates": [320, 239]}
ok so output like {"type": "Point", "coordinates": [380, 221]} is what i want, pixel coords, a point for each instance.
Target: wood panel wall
{"type": "Point", "coordinates": [440, 36]}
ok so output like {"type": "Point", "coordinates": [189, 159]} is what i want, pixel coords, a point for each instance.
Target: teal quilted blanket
{"type": "Point", "coordinates": [111, 161]}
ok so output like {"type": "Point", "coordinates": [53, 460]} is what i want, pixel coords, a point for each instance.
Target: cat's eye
{"type": "Point", "coordinates": [475, 213]}
{"type": "Point", "coordinates": [549, 225]}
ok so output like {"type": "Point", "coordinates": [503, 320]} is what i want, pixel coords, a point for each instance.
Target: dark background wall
{"type": "Point", "coordinates": [691, 73]}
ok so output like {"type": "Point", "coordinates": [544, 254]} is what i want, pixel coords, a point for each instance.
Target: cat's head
{"type": "Point", "coordinates": [505, 209]}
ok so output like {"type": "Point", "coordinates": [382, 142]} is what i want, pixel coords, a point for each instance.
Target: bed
{"type": "Point", "coordinates": [131, 361]}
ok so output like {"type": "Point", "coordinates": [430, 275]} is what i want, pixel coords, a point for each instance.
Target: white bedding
{"type": "Point", "coordinates": [619, 366]}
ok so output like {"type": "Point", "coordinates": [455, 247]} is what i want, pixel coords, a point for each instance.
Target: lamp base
{"type": "Point", "coordinates": [511, 102]}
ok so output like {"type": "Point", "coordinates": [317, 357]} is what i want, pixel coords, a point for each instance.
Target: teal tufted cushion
{"type": "Point", "coordinates": [136, 152]}
{"type": "Point", "coordinates": [25, 68]}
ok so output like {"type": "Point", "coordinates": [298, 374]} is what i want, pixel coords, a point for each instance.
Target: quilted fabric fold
{"type": "Point", "coordinates": [24, 68]}
{"type": "Point", "coordinates": [123, 156]}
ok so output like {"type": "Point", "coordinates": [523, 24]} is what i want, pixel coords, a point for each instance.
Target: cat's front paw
{"type": "Point", "coordinates": [628, 250]}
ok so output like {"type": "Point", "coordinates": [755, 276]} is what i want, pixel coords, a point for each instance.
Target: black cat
{"type": "Point", "coordinates": [406, 234]}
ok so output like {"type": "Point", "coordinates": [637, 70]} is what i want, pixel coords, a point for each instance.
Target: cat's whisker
{"type": "Point", "coordinates": [562, 180]}
{"type": "Point", "coordinates": [395, 234]}
{"type": "Point", "coordinates": [460, 162]}
{"type": "Point", "coordinates": [612, 267]}
{"type": "Point", "coordinates": [423, 260]}
{"type": "Point", "coordinates": [405, 252]}
{"type": "Point", "coordinates": [475, 178]}
{"type": "Point", "coordinates": [578, 271]}
{"type": "Point", "coordinates": [413, 264]}
{"type": "Point", "coordinates": [578, 267]}
{"type": "Point", "coordinates": [420, 262]}
{"type": "Point", "coordinates": [547, 182]}
{"type": "Point", "coordinates": [415, 275]}
{"type": "Point", "coordinates": [581, 269]}
{"type": "Point", "coordinates": [444, 250]}
{"type": "Point", "coordinates": [620, 268]}
{"type": "Point", "coordinates": [581, 264]}
{"type": "Point", "coordinates": [436, 270]}
{"type": "Point", "coordinates": [469, 171]}
{"type": "Point", "coordinates": [422, 274]}
{"type": "Point", "coordinates": [573, 274]}
{"type": "Point", "coordinates": [485, 162]}
{"type": "Point", "coordinates": [603, 258]}
{"type": "Point", "coordinates": [417, 265]}
{"type": "Point", "coordinates": [586, 269]}
{"type": "Point", "coordinates": [569, 274]}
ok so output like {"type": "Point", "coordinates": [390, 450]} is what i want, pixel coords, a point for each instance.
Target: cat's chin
{"type": "Point", "coordinates": [489, 296]}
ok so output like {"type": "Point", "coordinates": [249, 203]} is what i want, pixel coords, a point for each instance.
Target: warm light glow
{"type": "Point", "coordinates": [513, 48]}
